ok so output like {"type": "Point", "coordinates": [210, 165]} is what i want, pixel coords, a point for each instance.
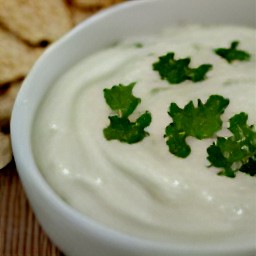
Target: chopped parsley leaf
{"type": "Point", "coordinates": [250, 166]}
{"type": "Point", "coordinates": [201, 122]}
{"type": "Point", "coordinates": [124, 130]}
{"type": "Point", "coordinates": [121, 100]}
{"type": "Point", "coordinates": [231, 54]}
{"type": "Point", "coordinates": [235, 153]}
{"type": "Point", "coordinates": [138, 45]}
{"type": "Point", "coordinates": [177, 71]}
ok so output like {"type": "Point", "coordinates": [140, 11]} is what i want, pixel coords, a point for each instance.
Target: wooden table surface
{"type": "Point", "coordinates": [20, 233]}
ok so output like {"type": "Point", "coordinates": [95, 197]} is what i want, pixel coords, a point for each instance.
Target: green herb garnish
{"type": "Point", "coordinates": [138, 45]}
{"type": "Point", "coordinates": [201, 122]}
{"type": "Point", "coordinates": [177, 71]}
{"type": "Point", "coordinates": [231, 54]}
{"type": "Point", "coordinates": [235, 153]}
{"type": "Point", "coordinates": [121, 100]}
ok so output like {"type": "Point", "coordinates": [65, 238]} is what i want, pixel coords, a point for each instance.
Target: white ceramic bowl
{"type": "Point", "coordinates": [72, 232]}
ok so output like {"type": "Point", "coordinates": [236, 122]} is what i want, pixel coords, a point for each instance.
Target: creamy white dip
{"type": "Point", "coordinates": [142, 189]}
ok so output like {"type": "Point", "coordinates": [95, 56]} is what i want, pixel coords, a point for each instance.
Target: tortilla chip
{"type": "Point", "coordinates": [36, 21]}
{"type": "Point", "coordinates": [5, 150]}
{"type": "Point", "coordinates": [7, 98]}
{"type": "Point", "coordinates": [78, 14]}
{"type": "Point", "coordinates": [95, 3]}
{"type": "Point", "coordinates": [16, 58]}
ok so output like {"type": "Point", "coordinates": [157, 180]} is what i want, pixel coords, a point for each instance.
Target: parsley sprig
{"type": "Point", "coordinates": [200, 122]}
{"type": "Point", "coordinates": [122, 101]}
{"type": "Point", "coordinates": [232, 53]}
{"type": "Point", "coordinates": [177, 71]}
{"type": "Point", "coordinates": [237, 152]}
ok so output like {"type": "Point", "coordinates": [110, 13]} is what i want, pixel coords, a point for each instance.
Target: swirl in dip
{"type": "Point", "coordinates": [142, 189]}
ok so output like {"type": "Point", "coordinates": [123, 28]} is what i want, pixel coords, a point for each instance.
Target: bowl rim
{"type": "Point", "coordinates": [23, 154]}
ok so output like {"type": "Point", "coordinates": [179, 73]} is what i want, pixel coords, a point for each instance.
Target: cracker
{"type": "Point", "coordinates": [95, 3]}
{"type": "Point", "coordinates": [5, 150]}
{"type": "Point", "coordinates": [36, 21]}
{"type": "Point", "coordinates": [16, 58]}
{"type": "Point", "coordinates": [7, 98]}
{"type": "Point", "coordinates": [78, 14]}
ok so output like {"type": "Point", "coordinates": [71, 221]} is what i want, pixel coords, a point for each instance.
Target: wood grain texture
{"type": "Point", "coordinates": [20, 233]}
